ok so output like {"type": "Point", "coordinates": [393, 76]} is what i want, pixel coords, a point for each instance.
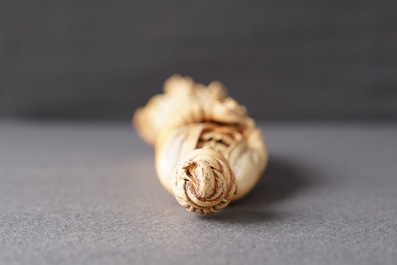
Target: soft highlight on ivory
{"type": "Point", "coordinates": [208, 151]}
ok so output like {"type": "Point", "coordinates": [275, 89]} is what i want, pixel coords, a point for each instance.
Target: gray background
{"type": "Point", "coordinates": [318, 76]}
{"type": "Point", "coordinates": [283, 59]}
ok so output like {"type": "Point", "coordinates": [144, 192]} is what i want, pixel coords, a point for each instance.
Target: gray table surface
{"type": "Point", "coordinates": [85, 193]}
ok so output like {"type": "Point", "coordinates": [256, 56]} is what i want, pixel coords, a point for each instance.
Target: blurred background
{"type": "Point", "coordinates": [284, 60]}
{"type": "Point", "coordinates": [78, 187]}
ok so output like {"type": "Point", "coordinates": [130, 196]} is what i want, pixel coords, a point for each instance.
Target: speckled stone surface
{"type": "Point", "coordinates": [76, 193]}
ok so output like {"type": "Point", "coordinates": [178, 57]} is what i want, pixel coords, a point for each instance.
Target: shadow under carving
{"type": "Point", "coordinates": [283, 179]}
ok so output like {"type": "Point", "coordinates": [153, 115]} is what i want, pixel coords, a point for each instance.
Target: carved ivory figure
{"type": "Point", "coordinates": [208, 152]}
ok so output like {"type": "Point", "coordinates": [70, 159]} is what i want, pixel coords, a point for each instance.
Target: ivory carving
{"type": "Point", "coordinates": [208, 151]}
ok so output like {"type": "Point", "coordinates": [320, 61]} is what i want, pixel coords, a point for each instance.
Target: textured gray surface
{"type": "Point", "coordinates": [88, 194]}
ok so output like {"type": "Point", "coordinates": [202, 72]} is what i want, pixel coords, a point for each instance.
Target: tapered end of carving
{"type": "Point", "coordinates": [204, 183]}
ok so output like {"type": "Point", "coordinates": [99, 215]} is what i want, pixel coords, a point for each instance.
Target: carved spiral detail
{"type": "Point", "coordinates": [204, 183]}
{"type": "Point", "coordinates": [208, 151]}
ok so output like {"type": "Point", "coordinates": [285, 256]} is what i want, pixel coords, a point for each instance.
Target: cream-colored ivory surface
{"type": "Point", "coordinates": [208, 152]}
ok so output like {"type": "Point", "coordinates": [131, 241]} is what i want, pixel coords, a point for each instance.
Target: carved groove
{"type": "Point", "coordinates": [208, 151]}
